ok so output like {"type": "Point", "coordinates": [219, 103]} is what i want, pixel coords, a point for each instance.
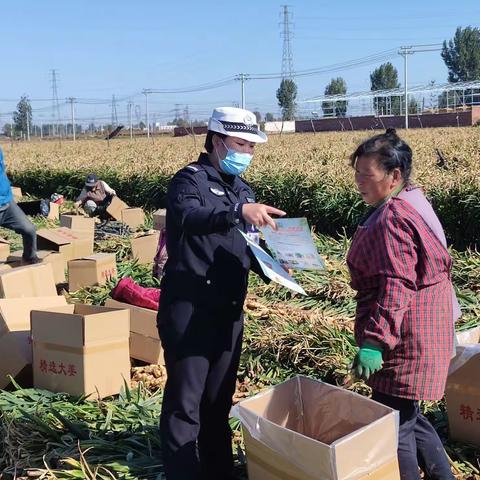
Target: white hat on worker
{"type": "Point", "coordinates": [236, 122]}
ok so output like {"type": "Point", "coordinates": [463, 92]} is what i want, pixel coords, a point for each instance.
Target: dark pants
{"type": "Point", "coordinates": [418, 442]}
{"type": "Point", "coordinates": [202, 351]}
{"type": "Point", "coordinates": [14, 219]}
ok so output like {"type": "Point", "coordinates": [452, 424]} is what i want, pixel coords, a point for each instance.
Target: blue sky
{"type": "Point", "coordinates": [119, 47]}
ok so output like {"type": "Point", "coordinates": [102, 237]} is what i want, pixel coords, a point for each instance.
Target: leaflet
{"type": "Point", "coordinates": [292, 244]}
{"type": "Point", "coordinates": [271, 268]}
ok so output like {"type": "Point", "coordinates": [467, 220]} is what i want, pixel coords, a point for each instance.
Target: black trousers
{"type": "Point", "coordinates": [202, 347]}
{"type": "Point", "coordinates": [418, 442]}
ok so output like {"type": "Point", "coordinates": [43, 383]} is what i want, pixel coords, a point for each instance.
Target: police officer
{"type": "Point", "coordinates": [200, 319]}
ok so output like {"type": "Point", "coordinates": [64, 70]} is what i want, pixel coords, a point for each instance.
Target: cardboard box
{"type": "Point", "coordinates": [133, 217]}
{"type": "Point", "coordinates": [120, 211]}
{"type": "Point", "coordinates": [159, 219]}
{"type": "Point", "coordinates": [144, 247]}
{"type": "Point", "coordinates": [81, 349]}
{"type": "Point", "coordinates": [29, 281]}
{"type": "Point", "coordinates": [116, 207]}
{"type": "Point", "coordinates": [64, 240]}
{"type": "Point", "coordinates": [5, 266]}
{"type": "Point", "coordinates": [15, 341]}
{"type": "Point", "coordinates": [56, 259]}
{"type": "Point", "coordinates": [78, 223]}
{"type": "Point", "coordinates": [33, 208]}
{"type": "Point", "coordinates": [304, 429]}
{"type": "Point", "coordinates": [4, 249]}
{"type": "Point", "coordinates": [462, 392]}
{"type": "Point", "coordinates": [145, 341]}
{"type": "Point", "coordinates": [92, 270]}
{"type": "Point", "coordinates": [17, 193]}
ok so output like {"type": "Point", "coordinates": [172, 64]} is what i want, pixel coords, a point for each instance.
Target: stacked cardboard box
{"type": "Point", "coordinates": [145, 342]}
{"type": "Point", "coordinates": [21, 290]}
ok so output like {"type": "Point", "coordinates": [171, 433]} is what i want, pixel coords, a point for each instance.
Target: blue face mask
{"type": "Point", "coordinates": [235, 162]}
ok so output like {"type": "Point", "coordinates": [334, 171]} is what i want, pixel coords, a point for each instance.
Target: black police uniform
{"type": "Point", "coordinates": [200, 319]}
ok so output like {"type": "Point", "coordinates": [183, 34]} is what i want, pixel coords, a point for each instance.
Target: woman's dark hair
{"type": "Point", "coordinates": [209, 142]}
{"type": "Point", "coordinates": [390, 150]}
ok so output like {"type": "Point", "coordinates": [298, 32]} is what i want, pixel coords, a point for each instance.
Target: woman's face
{"type": "Point", "coordinates": [373, 183]}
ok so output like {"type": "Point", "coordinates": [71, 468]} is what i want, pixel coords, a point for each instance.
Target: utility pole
{"type": "Point", "coordinates": [72, 109]}
{"type": "Point", "coordinates": [410, 50]}
{"type": "Point", "coordinates": [55, 104]}
{"type": "Point", "coordinates": [242, 77]}
{"type": "Point", "coordinates": [147, 115]}
{"type": "Point", "coordinates": [130, 106]}
{"type": "Point", "coordinates": [404, 52]}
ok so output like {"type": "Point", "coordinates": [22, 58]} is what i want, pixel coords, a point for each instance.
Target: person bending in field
{"type": "Point", "coordinates": [95, 196]}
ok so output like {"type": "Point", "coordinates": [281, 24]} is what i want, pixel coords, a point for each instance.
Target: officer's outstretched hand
{"type": "Point", "coordinates": [258, 214]}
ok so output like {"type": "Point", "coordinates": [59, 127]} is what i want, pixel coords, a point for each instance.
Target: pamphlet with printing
{"type": "Point", "coordinates": [271, 268]}
{"type": "Point", "coordinates": [292, 244]}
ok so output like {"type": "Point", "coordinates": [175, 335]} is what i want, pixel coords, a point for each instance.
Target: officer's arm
{"type": "Point", "coordinates": [184, 201]}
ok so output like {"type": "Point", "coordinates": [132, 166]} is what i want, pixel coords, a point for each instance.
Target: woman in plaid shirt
{"type": "Point", "coordinates": [404, 321]}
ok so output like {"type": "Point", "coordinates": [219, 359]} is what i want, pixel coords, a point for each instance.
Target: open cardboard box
{"type": "Point", "coordinates": [17, 193]}
{"type": "Point", "coordinates": [78, 223]}
{"type": "Point", "coordinates": [71, 243]}
{"type": "Point", "coordinates": [15, 342]}
{"type": "Point", "coordinates": [145, 341]}
{"type": "Point", "coordinates": [120, 211]}
{"type": "Point", "coordinates": [462, 391]}
{"type": "Point", "coordinates": [144, 247]}
{"type": "Point", "coordinates": [32, 207]}
{"type": "Point", "coordinates": [56, 259]}
{"type": "Point", "coordinates": [4, 249]}
{"type": "Point", "coordinates": [159, 218]}
{"type": "Point", "coordinates": [29, 281]}
{"type": "Point", "coordinates": [304, 429]}
{"type": "Point", "coordinates": [81, 349]}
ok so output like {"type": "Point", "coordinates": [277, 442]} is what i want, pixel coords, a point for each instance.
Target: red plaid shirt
{"type": "Point", "coordinates": [402, 274]}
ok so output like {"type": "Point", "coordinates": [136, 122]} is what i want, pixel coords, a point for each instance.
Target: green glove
{"type": "Point", "coordinates": [368, 360]}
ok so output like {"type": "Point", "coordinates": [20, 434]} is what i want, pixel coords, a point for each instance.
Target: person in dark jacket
{"type": "Point", "coordinates": [200, 319]}
{"type": "Point", "coordinates": [13, 218]}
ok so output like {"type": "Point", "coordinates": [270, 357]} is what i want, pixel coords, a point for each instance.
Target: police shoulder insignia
{"type": "Point", "coordinates": [217, 192]}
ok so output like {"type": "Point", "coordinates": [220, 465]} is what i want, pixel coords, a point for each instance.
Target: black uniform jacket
{"type": "Point", "coordinates": [208, 259]}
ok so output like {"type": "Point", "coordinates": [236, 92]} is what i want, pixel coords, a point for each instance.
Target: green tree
{"type": "Point", "coordinates": [462, 55]}
{"type": "Point", "coordinates": [22, 116]}
{"type": "Point", "coordinates": [286, 95]}
{"type": "Point", "coordinates": [8, 130]}
{"type": "Point", "coordinates": [337, 86]}
{"type": "Point", "coordinates": [385, 77]}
